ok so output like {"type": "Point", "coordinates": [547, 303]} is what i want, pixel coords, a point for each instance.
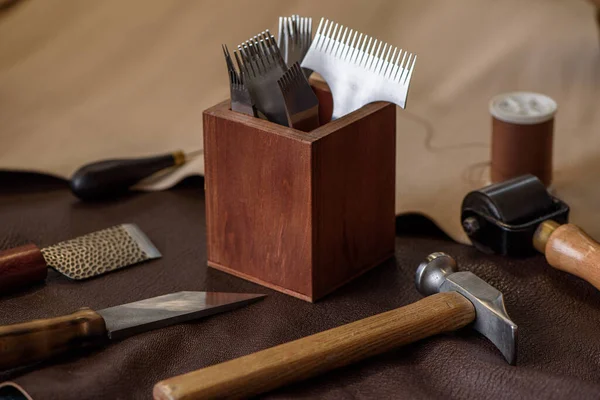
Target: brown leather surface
{"type": "Point", "coordinates": [558, 315]}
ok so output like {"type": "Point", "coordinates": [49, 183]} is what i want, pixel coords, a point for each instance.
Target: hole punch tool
{"type": "Point", "coordinates": [519, 216]}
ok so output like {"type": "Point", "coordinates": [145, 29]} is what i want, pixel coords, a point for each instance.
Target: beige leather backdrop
{"type": "Point", "coordinates": [82, 80]}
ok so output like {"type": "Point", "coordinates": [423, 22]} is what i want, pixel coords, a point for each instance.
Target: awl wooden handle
{"type": "Point", "coordinates": [568, 248]}
{"type": "Point", "coordinates": [269, 369]}
{"type": "Point", "coordinates": [28, 342]}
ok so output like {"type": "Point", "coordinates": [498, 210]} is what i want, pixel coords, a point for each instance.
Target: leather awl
{"type": "Point", "coordinates": [519, 216]}
{"type": "Point", "coordinates": [455, 299]}
{"type": "Point", "coordinates": [109, 179]}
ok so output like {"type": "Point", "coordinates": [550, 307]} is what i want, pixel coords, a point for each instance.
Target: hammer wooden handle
{"type": "Point", "coordinates": [275, 367]}
{"type": "Point", "coordinates": [568, 248]}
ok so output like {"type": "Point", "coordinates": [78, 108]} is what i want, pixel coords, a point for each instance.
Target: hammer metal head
{"type": "Point", "coordinates": [439, 274]}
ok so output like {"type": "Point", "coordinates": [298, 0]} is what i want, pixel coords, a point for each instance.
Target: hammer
{"type": "Point", "coordinates": [518, 216]}
{"type": "Point", "coordinates": [456, 299]}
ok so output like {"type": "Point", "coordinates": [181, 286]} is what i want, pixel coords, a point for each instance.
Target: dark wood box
{"type": "Point", "coordinates": [302, 213]}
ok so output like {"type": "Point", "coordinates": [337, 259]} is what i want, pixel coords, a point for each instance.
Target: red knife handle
{"type": "Point", "coordinates": [21, 267]}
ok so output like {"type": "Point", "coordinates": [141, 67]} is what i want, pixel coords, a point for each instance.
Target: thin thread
{"type": "Point", "coordinates": [473, 173]}
{"type": "Point", "coordinates": [430, 133]}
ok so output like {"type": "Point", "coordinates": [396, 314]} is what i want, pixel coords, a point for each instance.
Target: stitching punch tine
{"type": "Point", "coordinates": [271, 46]}
{"type": "Point", "coordinates": [228, 60]}
{"type": "Point", "coordinates": [295, 38]}
{"type": "Point", "coordinates": [263, 66]}
{"type": "Point", "coordinates": [282, 37]}
{"type": "Point", "coordinates": [241, 101]}
{"type": "Point", "coordinates": [301, 103]}
{"type": "Point", "coordinates": [343, 59]}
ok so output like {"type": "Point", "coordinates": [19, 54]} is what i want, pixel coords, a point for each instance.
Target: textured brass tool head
{"type": "Point", "coordinates": [100, 252]}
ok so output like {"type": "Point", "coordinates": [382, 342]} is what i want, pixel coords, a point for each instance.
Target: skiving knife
{"type": "Point", "coordinates": [37, 340]}
{"type": "Point", "coordinates": [94, 254]}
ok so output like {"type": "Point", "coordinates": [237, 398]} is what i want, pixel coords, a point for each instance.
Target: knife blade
{"type": "Point", "coordinates": [38, 340]}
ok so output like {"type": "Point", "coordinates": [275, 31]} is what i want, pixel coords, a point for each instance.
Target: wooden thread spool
{"type": "Point", "coordinates": [522, 136]}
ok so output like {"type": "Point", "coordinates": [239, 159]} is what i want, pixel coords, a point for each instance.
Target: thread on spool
{"type": "Point", "coordinates": [522, 136]}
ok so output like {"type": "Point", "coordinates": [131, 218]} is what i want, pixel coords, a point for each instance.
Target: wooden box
{"type": "Point", "coordinates": [302, 213]}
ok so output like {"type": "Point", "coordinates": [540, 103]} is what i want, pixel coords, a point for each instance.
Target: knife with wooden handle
{"type": "Point", "coordinates": [28, 342]}
{"type": "Point", "coordinates": [24, 343]}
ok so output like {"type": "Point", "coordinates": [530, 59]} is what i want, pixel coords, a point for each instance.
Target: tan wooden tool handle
{"type": "Point", "coordinates": [21, 267]}
{"type": "Point", "coordinates": [568, 248]}
{"type": "Point", "coordinates": [24, 343]}
{"type": "Point", "coordinates": [271, 368]}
